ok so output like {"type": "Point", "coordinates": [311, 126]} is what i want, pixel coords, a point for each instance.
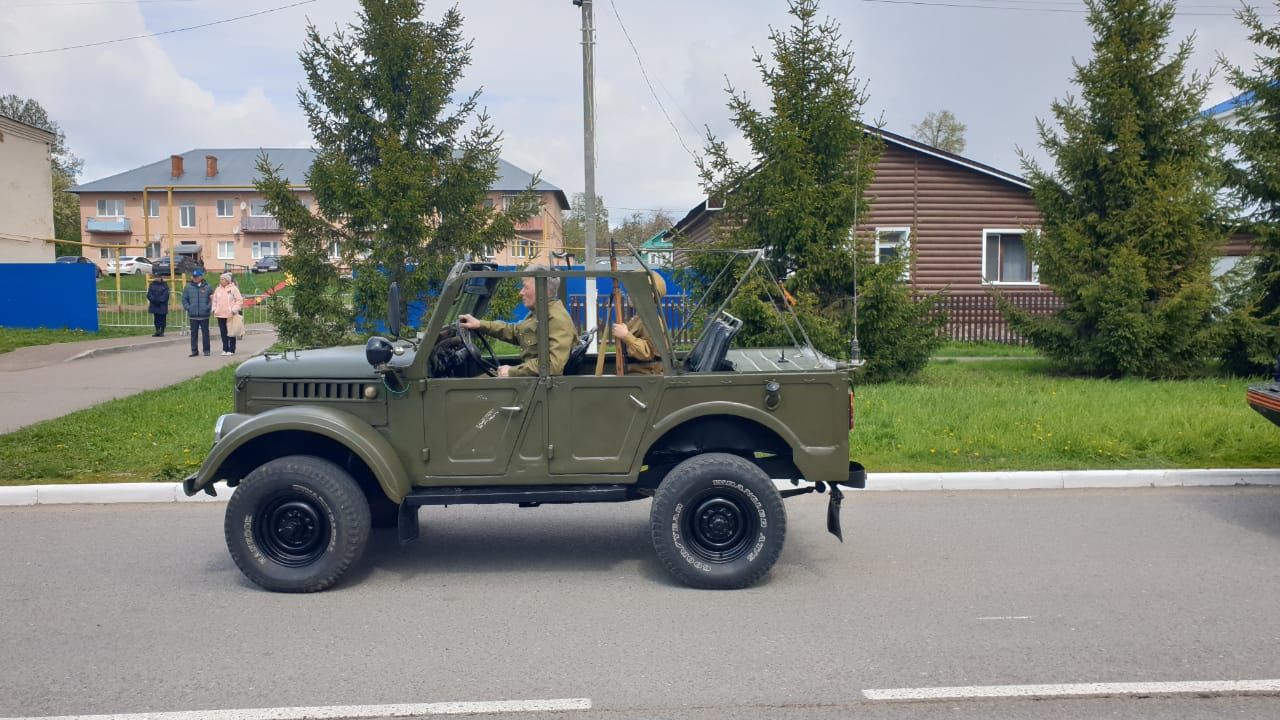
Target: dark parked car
{"type": "Point", "coordinates": [81, 260]}
{"type": "Point", "coordinates": [270, 263]}
{"type": "Point", "coordinates": [185, 265]}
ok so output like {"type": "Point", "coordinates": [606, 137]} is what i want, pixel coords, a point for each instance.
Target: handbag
{"type": "Point", "coordinates": [235, 326]}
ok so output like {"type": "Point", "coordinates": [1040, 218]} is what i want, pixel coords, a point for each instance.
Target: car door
{"type": "Point", "coordinates": [488, 430]}
{"type": "Point", "coordinates": [597, 422]}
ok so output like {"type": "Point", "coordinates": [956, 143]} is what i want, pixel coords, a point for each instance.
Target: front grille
{"type": "Point", "coordinates": [323, 390]}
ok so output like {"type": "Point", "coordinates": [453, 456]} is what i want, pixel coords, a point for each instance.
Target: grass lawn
{"type": "Point", "coordinates": [1017, 415]}
{"type": "Point", "coordinates": [1002, 415]}
{"type": "Point", "coordinates": [249, 283]}
{"type": "Point", "coordinates": [984, 349]}
{"type": "Point", "coordinates": [14, 338]}
{"type": "Point", "coordinates": [156, 435]}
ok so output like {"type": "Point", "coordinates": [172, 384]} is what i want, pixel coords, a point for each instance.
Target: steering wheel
{"type": "Point", "coordinates": [488, 364]}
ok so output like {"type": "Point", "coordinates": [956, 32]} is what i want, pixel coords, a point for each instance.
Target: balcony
{"type": "Point", "coordinates": [114, 225]}
{"type": "Point", "coordinates": [259, 224]}
{"type": "Point", "coordinates": [533, 224]}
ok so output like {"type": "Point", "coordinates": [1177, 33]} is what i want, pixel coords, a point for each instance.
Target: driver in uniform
{"type": "Point", "coordinates": [560, 330]}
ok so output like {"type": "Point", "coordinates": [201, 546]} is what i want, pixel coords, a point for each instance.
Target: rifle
{"type": "Point", "coordinates": [615, 311]}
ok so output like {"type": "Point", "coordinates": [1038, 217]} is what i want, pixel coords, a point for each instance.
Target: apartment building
{"type": "Point", "coordinates": [26, 193]}
{"type": "Point", "coordinates": [213, 206]}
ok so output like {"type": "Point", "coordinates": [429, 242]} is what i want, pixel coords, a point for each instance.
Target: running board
{"type": "Point", "coordinates": [523, 495]}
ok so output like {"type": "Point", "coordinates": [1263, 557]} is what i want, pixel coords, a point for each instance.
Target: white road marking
{"type": "Point", "coordinates": [348, 712]}
{"type": "Point", "coordinates": [1205, 687]}
{"type": "Point", "coordinates": [1006, 617]}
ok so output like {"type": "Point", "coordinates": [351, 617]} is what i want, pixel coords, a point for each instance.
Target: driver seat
{"type": "Point", "coordinates": [577, 353]}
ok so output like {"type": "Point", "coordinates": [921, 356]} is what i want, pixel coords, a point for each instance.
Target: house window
{"type": "Point", "coordinates": [111, 208]}
{"type": "Point", "coordinates": [523, 248]}
{"type": "Point", "coordinates": [1005, 258]}
{"type": "Point", "coordinates": [489, 252]}
{"type": "Point", "coordinates": [187, 215]}
{"type": "Point", "coordinates": [258, 208]}
{"type": "Point", "coordinates": [265, 248]}
{"type": "Point", "coordinates": [226, 208]}
{"type": "Point", "coordinates": [104, 253]}
{"type": "Point", "coordinates": [335, 250]}
{"type": "Point", "coordinates": [508, 201]}
{"type": "Point", "coordinates": [153, 249]}
{"type": "Point", "coordinates": [153, 207]}
{"type": "Point", "coordinates": [893, 244]}
{"type": "Point", "coordinates": [488, 203]}
{"type": "Point", "coordinates": [226, 250]}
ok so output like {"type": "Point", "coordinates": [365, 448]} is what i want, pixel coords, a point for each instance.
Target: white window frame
{"type": "Point", "coordinates": [182, 214]}
{"type": "Point", "coordinates": [258, 245]}
{"type": "Point", "coordinates": [229, 205]}
{"type": "Point", "coordinates": [982, 270]}
{"type": "Point", "coordinates": [153, 209]}
{"type": "Point", "coordinates": [523, 247]}
{"type": "Point", "coordinates": [253, 208]}
{"type": "Point", "coordinates": [508, 201]}
{"type": "Point", "coordinates": [116, 205]}
{"type": "Point", "coordinates": [226, 250]}
{"type": "Point", "coordinates": [104, 254]}
{"type": "Point", "coordinates": [335, 250]}
{"type": "Point", "coordinates": [153, 249]}
{"type": "Point", "coordinates": [903, 244]}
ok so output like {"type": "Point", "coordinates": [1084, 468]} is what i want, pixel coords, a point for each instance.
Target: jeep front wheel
{"type": "Point", "coordinates": [296, 524]}
{"type": "Point", "coordinates": [717, 522]}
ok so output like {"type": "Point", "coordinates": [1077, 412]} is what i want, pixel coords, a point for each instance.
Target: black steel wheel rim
{"type": "Point", "coordinates": [721, 525]}
{"type": "Point", "coordinates": [292, 529]}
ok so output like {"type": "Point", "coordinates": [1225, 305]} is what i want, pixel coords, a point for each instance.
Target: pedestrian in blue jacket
{"type": "Point", "coordinates": [197, 301]}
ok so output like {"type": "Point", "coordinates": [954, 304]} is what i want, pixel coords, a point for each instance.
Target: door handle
{"type": "Point", "coordinates": [639, 404]}
{"type": "Point", "coordinates": [511, 408]}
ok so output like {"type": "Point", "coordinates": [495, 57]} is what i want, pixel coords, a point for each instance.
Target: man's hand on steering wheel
{"type": "Point", "coordinates": [468, 328]}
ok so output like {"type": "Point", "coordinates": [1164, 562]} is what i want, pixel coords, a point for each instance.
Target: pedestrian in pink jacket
{"type": "Point", "coordinates": [227, 302]}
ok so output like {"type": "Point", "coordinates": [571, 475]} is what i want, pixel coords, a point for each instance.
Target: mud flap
{"type": "Point", "coordinates": [833, 512]}
{"type": "Point", "coordinates": [407, 523]}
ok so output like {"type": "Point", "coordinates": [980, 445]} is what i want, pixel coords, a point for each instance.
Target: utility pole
{"type": "Point", "coordinates": [589, 155]}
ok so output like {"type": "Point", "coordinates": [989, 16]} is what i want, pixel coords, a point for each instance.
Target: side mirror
{"type": "Point", "coordinates": [393, 310]}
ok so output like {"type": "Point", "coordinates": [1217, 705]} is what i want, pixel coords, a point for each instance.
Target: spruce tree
{"type": "Point", "coordinates": [1252, 329]}
{"type": "Point", "coordinates": [317, 314]}
{"type": "Point", "coordinates": [798, 197]}
{"type": "Point", "coordinates": [1130, 226]}
{"type": "Point", "coordinates": [397, 173]}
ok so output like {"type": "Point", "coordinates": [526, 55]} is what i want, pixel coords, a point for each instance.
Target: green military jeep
{"type": "Point", "coordinates": [325, 444]}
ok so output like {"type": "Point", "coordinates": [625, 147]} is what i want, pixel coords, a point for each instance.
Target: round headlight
{"type": "Point", "coordinates": [378, 351]}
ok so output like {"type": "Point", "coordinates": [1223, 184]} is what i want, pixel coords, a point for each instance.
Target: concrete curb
{"type": "Point", "coordinates": [149, 342]}
{"type": "Point", "coordinates": [1039, 480]}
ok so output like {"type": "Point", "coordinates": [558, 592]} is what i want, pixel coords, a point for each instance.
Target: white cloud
{"type": "Point", "coordinates": [233, 85]}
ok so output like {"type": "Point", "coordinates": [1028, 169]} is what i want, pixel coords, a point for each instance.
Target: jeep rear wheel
{"type": "Point", "coordinates": [296, 524]}
{"type": "Point", "coordinates": [717, 522]}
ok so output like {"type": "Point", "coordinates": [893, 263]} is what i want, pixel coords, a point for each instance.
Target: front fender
{"type": "Point", "coordinates": [342, 427]}
{"type": "Point", "coordinates": [816, 462]}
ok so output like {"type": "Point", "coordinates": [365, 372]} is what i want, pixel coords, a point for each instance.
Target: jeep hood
{"type": "Point", "coordinates": [335, 362]}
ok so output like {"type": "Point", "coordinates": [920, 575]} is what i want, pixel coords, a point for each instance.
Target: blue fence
{"type": "Point", "coordinates": [49, 295]}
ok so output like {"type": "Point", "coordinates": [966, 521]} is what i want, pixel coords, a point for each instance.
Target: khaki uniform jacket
{"type": "Point", "coordinates": [642, 354]}
{"type": "Point", "coordinates": [560, 334]}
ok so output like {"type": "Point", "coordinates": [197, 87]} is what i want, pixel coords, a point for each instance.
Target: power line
{"type": "Point", "coordinates": [163, 32]}
{"type": "Point", "coordinates": [1075, 11]}
{"type": "Point", "coordinates": [75, 3]}
{"type": "Point", "coordinates": [645, 75]}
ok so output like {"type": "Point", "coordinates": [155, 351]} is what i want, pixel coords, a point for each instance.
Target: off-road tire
{"type": "Point", "coordinates": [296, 524]}
{"type": "Point", "coordinates": [717, 522]}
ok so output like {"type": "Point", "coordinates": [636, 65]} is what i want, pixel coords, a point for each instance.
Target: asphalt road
{"type": "Point", "coordinates": [138, 608]}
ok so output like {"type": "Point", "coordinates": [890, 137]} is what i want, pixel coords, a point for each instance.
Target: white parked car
{"type": "Point", "coordinates": [130, 265]}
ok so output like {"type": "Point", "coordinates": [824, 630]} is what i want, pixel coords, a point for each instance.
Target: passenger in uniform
{"type": "Point", "coordinates": [560, 330]}
{"type": "Point", "coordinates": [642, 353]}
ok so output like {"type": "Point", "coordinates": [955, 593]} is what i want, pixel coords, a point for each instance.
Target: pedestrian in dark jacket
{"type": "Point", "coordinates": [158, 304]}
{"type": "Point", "coordinates": [197, 301]}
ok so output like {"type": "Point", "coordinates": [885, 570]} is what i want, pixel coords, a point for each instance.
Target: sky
{"type": "Point", "coordinates": [996, 64]}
